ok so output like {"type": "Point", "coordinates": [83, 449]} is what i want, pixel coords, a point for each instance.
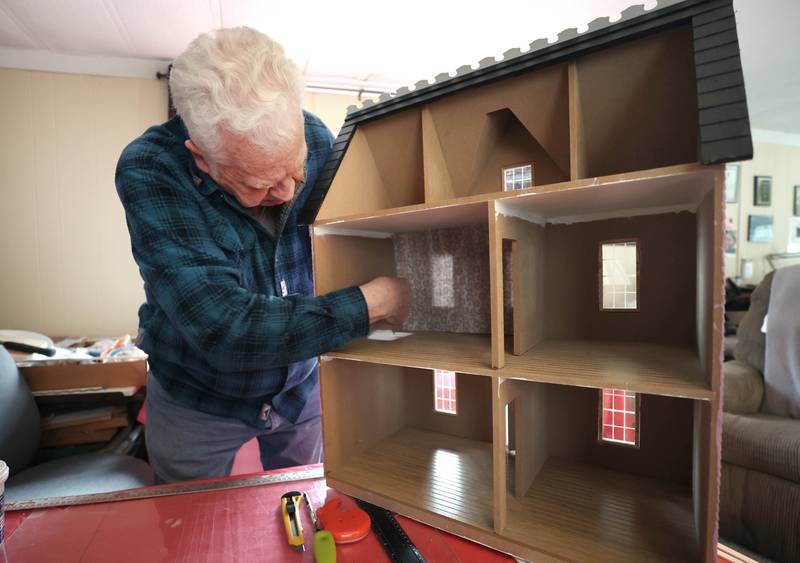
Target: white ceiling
{"type": "Point", "coordinates": [380, 45]}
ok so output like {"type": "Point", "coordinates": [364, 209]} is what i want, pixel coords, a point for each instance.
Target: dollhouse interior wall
{"type": "Point", "coordinates": [667, 280]}
{"type": "Point", "coordinates": [566, 427]}
{"type": "Point", "coordinates": [367, 403]}
{"type": "Point", "coordinates": [448, 270]}
{"type": "Point", "coordinates": [636, 105]}
{"type": "Point", "coordinates": [470, 136]}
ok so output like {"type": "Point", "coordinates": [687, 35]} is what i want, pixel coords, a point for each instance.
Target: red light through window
{"type": "Point", "coordinates": [445, 391]}
{"type": "Point", "coordinates": [619, 418]}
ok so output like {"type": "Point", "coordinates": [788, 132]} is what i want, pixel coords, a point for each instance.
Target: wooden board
{"type": "Point", "coordinates": [623, 194]}
{"type": "Point", "coordinates": [365, 259]}
{"type": "Point", "coordinates": [473, 420]}
{"type": "Point", "coordinates": [577, 137]}
{"type": "Point", "coordinates": [378, 172]}
{"type": "Point", "coordinates": [584, 513]}
{"type": "Point", "coordinates": [438, 183]}
{"type": "Point", "coordinates": [349, 393]}
{"type": "Point", "coordinates": [528, 275]}
{"type": "Point", "coordinates": [638, 104]}
{"type": "Point", "coordinates": [531, 439]}
{"type": "Point", "coordinates": [478, 132]}
{"type": "Point", "coordinates": [61, 437]}
{"type": "Point", "coordinates": [438, 473]}
{"type": "Point", "coordinates": [429, 217]}
{"type": "Point", "coordinates": [646, 368]}
{"type": "Point", "coordinates": [629, 194]}
{"type": "Point", "coordinates": [667, 280]}
{"type": "Point", "coordinates": [75, 376]}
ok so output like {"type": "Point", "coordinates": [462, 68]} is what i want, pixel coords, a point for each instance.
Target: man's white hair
{"type": "Point", "coordinates": [240, 81]}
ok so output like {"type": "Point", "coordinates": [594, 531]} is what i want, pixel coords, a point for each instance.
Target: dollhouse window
{"type": "Point", "coordinates": [444, 388]}
{"type": "Point", "coordinates": [442, 276]}
{"type": "Point", "coordinates": [619, 272]}
{"type": "Point", "coordinates": [517, 177]}
{"type": "Point", "coordinates": [619, 417]}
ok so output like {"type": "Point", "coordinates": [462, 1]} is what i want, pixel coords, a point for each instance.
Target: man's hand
{"type": "Point", "coordinates": [387, 299]}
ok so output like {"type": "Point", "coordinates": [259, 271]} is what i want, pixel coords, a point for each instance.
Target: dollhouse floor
{"type": "Point", "coordinates": [437, 472]}
{"type": "Point", "coordinates": [585, 513]}
{"type": "Point", "coordinates": [647, 368]}
{"type": "Point", "coordinates": [652, 368]}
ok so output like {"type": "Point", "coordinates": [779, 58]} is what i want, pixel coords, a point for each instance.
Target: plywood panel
{"type": "Point", "coordinates": [505, 141]}
{"type": "Point", "coordinates": [381, 169]}
{"type": "Point", "coordinates": [531, 441]}
{"type": "Point", "coordinates": [473, 420]}
{"type": "Point", "coordinates": [710, 322]}
{"type": "Point", "coordinates": [629, 194]}
{"type": "Point", "coordinates": [62, 137]}
{"type": "Point", "coordinates": [361, 405]}
{"type": "Point", "coordinates": [496, 293]}
{"type": "Point", "coordinates": [528, 274]}
{"type": "Point", "coordinates": [438, 185]}
{"type": "Point", "coordinates": [344, 261]}
{"type": "Point", "coordinates": [533, 107]}
{"type": "Point", "coordinates": [358, 186]}
{"type": "Point", "coordinates": [665, 437]}
{"type": "Point", "coordinates": [441, 474]}
{"type": "Point", "coordinates": [577, 138]}
{"type": "Point", "coordinates": [667, 283]}
{"type": "Point", "coordinates": [584, 513]}
{"type": "Point", "coordinates": [705, 474]}
{"type": "Point", "coordinates": [648, 368]}
{"type": "Point", "coordinates": [710, 286]}
{"type": "Point", "coordinates": [638, 103]}
{"type": "Point", "coordinates": [499, 456]}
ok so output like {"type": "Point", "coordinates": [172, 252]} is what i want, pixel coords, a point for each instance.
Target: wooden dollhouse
{"type": "Point", "coordinates": [559, 214]}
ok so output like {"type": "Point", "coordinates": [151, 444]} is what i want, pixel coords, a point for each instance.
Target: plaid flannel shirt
{"type": "Point", "coordinates": [230, 321]}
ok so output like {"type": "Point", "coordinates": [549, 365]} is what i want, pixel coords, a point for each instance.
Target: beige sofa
{"type": "Point", "coordinates": [760, 486]}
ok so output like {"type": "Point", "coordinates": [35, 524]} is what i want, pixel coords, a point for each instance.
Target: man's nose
{"type": "Point", "coordinates": [284, 190]}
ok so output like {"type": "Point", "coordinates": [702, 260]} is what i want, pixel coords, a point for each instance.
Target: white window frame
{"type": "Point", "coordinates": [445, 393]}
{"type": "Point", "coordinates": [637, 287]}
{"type": "Point", "coordinates": [518, 180]}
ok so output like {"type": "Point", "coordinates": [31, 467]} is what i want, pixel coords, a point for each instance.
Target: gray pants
{"type": "Point", "coordinates": [184, 444]}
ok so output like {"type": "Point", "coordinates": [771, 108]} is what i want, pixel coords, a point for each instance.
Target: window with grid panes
{"type": "Point", "coordinates": [619, 417]}
{"type": "Point", "coordinates": [444, 389]}
{"type": "Point", "coordinates": [518, 177]}
{"type": "Point", "coordinates": [619, 271]}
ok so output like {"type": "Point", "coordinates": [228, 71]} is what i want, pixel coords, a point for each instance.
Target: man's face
{"type": "Point", "coordinates": [255, 177]}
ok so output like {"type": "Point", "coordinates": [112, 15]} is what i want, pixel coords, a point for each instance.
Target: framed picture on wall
{"type": "Point", "coordinates": [732, 183]}
{"type": "Point", "coordinates": [762, 191]}
{"type": "Point", "coordinates": [796, 201]}
{"type": "Point", "coordinates": [794, 235]}
{"type": "Point", "coordinates": [730, 243]}
{"type": "Point", "coordinates": [759, 228]}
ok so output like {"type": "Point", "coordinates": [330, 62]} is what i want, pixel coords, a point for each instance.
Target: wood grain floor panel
{"type": "Point", "coordinates": [646, 368]}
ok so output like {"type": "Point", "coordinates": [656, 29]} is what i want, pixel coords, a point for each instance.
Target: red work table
{"type": "Point", "coordinates": [236, 525]}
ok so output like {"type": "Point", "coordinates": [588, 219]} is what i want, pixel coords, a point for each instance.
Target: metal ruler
{"type": "Point", "coordinates": [166, 490]}
{"type": "Point", "coordinates": [396, 543]}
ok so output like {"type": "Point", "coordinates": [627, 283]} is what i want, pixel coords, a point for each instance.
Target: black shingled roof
{"type": "Point", "coordinates": [723, 120]}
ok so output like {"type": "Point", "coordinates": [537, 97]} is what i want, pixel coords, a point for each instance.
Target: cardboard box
{"type": "Point", "coordinates": [76, 376]}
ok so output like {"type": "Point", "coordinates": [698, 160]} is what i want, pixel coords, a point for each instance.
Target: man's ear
{"type": "Point", "coordinates": [199, 159]}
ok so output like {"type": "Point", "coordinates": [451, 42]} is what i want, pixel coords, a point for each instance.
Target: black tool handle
{"type": "Point", "coordinates": [396, 542]}
{"type": "Point", "coordinates": [20, 347]}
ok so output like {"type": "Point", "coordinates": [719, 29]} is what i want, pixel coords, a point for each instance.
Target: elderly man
{"type": "Point", "coordinates": [212, 199]}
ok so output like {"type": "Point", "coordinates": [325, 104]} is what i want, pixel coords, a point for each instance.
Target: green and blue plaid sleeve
{"type": "Point", "coordinates": [198, 285]}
